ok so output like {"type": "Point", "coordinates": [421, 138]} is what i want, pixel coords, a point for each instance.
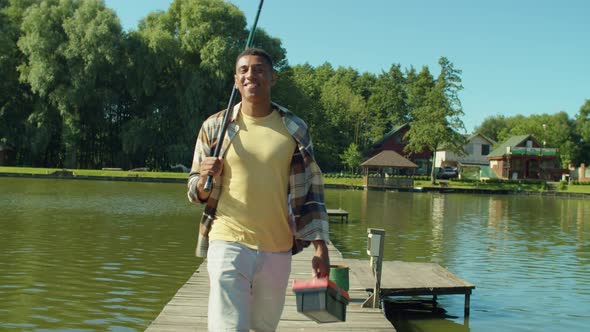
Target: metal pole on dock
{"type": "Point", "coordinates": [375, 244]}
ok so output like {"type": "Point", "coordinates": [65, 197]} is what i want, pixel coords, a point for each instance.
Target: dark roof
{"type": "Point", "coordinates": [389, 134]}
{"type": "Point", "coordinates": [511, 142]}
{"type": "Point", "coordinates": [389, 158]}
{"type": "Point", "coordinates": [5, 147]}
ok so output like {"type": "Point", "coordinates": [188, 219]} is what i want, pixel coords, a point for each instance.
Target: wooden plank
{"type": "Point", "coordinates": [187, 310]}
{"type": "Point", "coordinates": [399, 275]}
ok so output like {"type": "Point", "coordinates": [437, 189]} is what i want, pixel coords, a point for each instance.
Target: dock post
{"type": "Point", "coordinates": [375, 244]}
{"type": "Point", "coordinates": [467, 297]}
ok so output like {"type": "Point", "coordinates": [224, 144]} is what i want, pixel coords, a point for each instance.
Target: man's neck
{"type": "Point", "coordinates": [256, 109]}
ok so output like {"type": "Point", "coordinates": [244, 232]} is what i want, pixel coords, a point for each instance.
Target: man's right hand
{"type": "Point", "coordinates": [210, 166]}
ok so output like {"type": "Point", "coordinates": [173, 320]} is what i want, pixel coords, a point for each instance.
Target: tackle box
{"type": "Point", "coordinates": [321, 300]}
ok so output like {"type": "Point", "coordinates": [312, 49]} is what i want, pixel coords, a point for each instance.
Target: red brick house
{"type": "Point", "coordinates": [523, 157]}
{"type": "Point", "coordinates": [394, 141]}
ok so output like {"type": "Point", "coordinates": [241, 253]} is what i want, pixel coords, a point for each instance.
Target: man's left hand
{"type": "Point", "coordinates": [320, 262]}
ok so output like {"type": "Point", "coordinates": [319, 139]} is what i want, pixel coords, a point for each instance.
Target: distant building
{"type": "Point", "coordinates": [380, 170]}
{"type": "Point", "coordinates": [477, 148]}
{"type": "Point", "coordinates": [523, 157]}
{"type": "Point", "coordinates": [394, 141]}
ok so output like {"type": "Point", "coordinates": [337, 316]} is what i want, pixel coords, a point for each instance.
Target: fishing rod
{"type": "Point", "coordinates": [231, 103]}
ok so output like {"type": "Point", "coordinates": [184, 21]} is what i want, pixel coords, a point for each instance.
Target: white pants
{"type": "Point", "coordinates": [247, 287]}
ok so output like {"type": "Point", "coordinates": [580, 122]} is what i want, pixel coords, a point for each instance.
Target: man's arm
{"type": "Point", "coordinates": [320, 262]}
{"type": "Point", "coordinates": [202, 166]}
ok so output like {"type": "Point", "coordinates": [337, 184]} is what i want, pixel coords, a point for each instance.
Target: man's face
{"type": "Point", "coordinates": [254, 77]}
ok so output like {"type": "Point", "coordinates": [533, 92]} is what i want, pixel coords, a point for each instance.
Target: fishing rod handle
{"type": "Point", "coordinates": [208, 184]}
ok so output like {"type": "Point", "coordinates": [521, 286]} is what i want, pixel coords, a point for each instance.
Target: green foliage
{"type": "Point", "coordinates": [582, 130]}
{"type": "Point", "coordinates": [436, 111]}
{"type": "Point", "coordinates": [78, 91]}
{"type": "Point", "coordinates": [387, 102]}
{"type": "Point", "coordinates": [555, 130]}
{"type": "Point", "coordinates": [563, 185]}
{"type": "Point", "coordinates": [352, 157]}
{"type": "Point", "coordinates": [71, 48]}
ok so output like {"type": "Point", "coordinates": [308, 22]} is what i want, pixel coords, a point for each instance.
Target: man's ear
{"type": "Point", "coordinates": [273, 79]}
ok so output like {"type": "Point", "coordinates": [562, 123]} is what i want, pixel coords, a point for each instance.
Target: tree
{"type": "Point", "coordinates": [71, 47]}
{"type": "Point", "coordinates": [352, 157]}
{"type": "Point", "coordinates": [582, 128]}
{"type": "Point", "coordinates": [492, 126]}
{"type": "Point", "coordinates": [16, 100]}
{"type": "Point", "coordinates": [387, 103]}
{"type": "Point", "coordinates": [436, 117]}
{"type": "Point", "coordinates": [310, 81]}
{"type": "Point", "coordinates": [418, 87]}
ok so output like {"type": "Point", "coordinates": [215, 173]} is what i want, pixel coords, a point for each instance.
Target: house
{"type": "Point", "coordinates": [523, 157]}
{"type": "Point", "coordinates": [581, 173]}
{"type": "Point", "coordinates": [473, 162]}
{"type": "Point", "coordinates": [477, 148]}
{"type": "Point", "coordinates": [394, 141]}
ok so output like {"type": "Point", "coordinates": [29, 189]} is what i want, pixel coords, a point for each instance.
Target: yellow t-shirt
{"type": "Point", "coordinates": [252, 206]}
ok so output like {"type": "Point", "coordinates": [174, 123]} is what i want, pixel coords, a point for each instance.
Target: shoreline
{"type": "Point", "coordinates": [130, 178]}
{"type": "Point", "coordinates": [138, 178]}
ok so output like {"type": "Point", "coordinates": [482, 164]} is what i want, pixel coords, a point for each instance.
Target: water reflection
{"type": "Point", "coordinates": [529, 256]}
{"type": "Point", "coordinates": [91, 256]}
{"type": "Point", "coordinates": [438, 213]}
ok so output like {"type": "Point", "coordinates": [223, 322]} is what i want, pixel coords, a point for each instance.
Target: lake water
{"type": "Point", "coordinates": [106, 256]}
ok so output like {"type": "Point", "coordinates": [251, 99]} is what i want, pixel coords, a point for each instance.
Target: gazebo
{"type": "Point", "coordinates": [385, 166]}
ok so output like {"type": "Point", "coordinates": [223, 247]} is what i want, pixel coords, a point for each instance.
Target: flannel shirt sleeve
{"type": "Point", "coordinates": [202, 150]}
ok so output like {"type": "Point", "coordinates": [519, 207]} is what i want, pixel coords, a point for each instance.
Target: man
{"type": "Point", "coordinates": [266, 204]}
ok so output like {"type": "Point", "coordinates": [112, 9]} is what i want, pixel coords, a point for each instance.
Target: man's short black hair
{"type": "Point", "coordinates": [258, 52]}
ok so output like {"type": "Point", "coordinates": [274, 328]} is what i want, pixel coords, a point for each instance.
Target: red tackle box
{"type": "Point", "coordinates": [321, 300]}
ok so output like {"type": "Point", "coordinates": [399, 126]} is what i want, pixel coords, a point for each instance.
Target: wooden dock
{"type": "Point", "coordinates": [187, 310]}
{"type": "Point", "coordinates": [411, 278]}
{"type": "Point", "coordinates": [343, 214]}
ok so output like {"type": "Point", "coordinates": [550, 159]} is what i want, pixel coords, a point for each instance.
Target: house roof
{"type": "Point", "coordinates": [511, 142]}
{"type": "Point", "coordinates": [5, 147]}
{"type": "Point", "coordinates": [389, 134]}
{"type": "Point", "coordinates": [468, 138]}
{"type": "Point", "coordinates": [483, 136]}
{"type": "Point", "coordinates": [389, 158]}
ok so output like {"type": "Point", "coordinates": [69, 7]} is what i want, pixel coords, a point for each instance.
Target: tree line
{"type": "Point", "coordinates": [79, 92]}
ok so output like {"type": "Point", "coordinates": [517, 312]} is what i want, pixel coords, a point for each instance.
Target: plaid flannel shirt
{"type": "Point", "coordinates": [308, 219]}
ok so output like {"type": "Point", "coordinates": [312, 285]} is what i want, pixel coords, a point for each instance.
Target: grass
{"type": "Point", "coordinates": [350, 182]}
{"type": "Point", "coordinates": [94, 172]}
{"type": "Point", "coordinates": [577, 188]}
{"type": "Point", "coordinates": [344, 181]}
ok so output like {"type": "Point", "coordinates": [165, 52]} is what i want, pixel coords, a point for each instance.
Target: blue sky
{"type": "Point", "coordinates": [517, 57]}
